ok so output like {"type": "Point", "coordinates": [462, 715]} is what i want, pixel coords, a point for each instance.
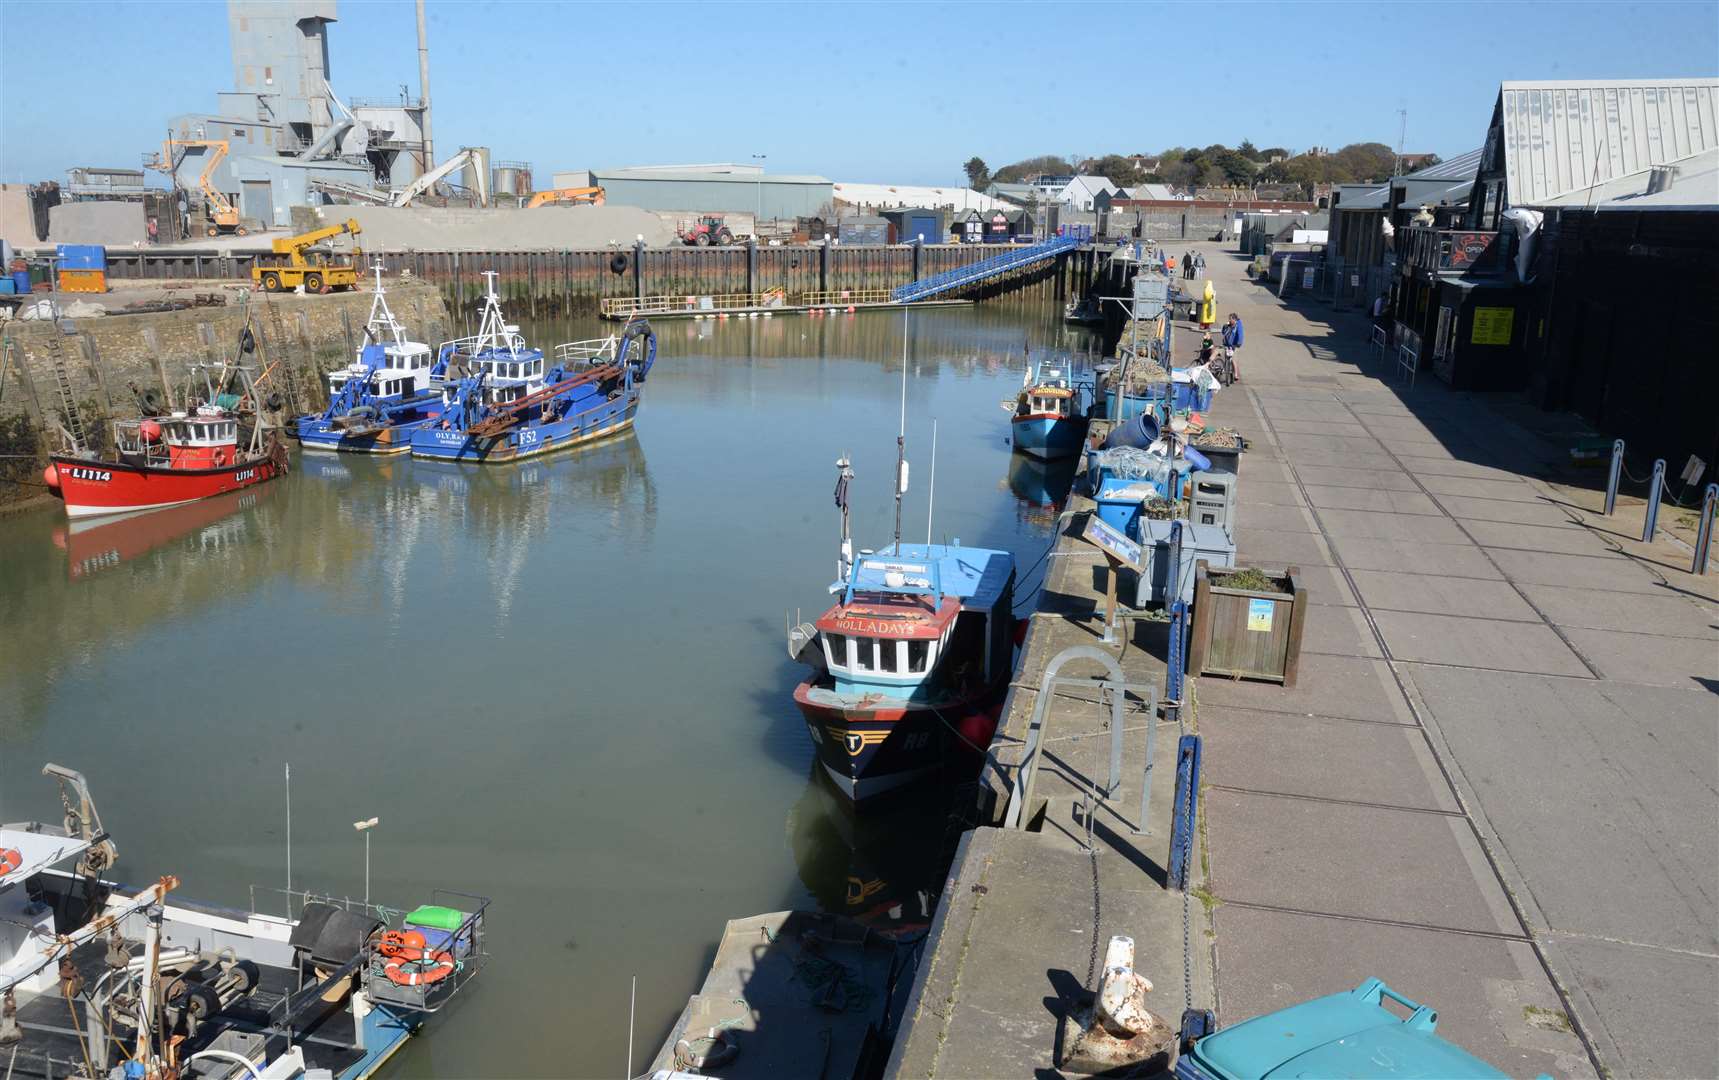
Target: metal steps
{"type": "Point", "coordinates": [74, 427]}
{"type": "Point", "coordinates": [985, 269]}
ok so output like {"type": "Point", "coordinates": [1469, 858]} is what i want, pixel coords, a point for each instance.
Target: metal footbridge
{"type": "Point", "coordinates": [985, 269]}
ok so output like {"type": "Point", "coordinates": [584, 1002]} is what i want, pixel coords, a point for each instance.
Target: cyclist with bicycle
{"type": "Point", "coordinates": [1233, 344]}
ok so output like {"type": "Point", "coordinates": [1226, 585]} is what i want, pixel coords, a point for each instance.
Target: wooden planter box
{"type": "Point", "coordinates": [1245, 634]}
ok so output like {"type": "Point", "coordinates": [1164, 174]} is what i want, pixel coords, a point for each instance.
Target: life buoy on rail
{"type": "Point", "coordinates": [402, 945]}
{"type": "Point", "coordinates": [424, 970]}
{"type": "Point", "coordinates": [10, 860]}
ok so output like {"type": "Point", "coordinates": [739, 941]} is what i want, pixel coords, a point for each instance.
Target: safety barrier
{"type": "Point", "coordinates": [985, 270]}
{"type": "Point", "coordinates": [1655, 494]}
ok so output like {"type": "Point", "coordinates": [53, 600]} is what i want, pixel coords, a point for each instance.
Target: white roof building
{"type": "Point", "coordinates": [1079, 192]}
{"type": "Point", "coordinates": [896, 196]}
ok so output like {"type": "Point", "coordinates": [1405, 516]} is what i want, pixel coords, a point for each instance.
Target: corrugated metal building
{"type": "Point", "coordinates": [717, 189]}
{"type": "Point", "coordinates": [862, 229]}
{"type": "Point", "coordinates": [916, 223]}
{"type": "Point", "coordinates": [1550, 138]}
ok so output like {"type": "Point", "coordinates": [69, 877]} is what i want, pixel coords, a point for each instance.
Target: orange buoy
{"type": "Point", "coordinates": [420, 970]}
{"type": "Point", "coordinates": [10, 860]}
{"type": "Point", "coordinates": [51, 477]}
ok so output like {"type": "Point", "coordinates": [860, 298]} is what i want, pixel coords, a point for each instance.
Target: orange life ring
{"type": "Point", "coordinates": [420, 971]}
{"type": "Point", "coordinates": [402, 945]}
{"type": "Point", "coordinates": [10, 860]}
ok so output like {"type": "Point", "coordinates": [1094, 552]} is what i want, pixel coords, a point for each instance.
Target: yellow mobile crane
{"type": "Point", "coordinates": [297, 261]}
{"type": "Point", "coordinates": [223, 215]}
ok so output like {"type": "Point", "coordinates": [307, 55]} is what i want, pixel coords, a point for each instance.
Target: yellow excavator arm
{"type": "Point", "coordinates": [221, 209]}
{"type": "Point", "coordinates": [592, 195]}
{"type": "Point", "coordinates": [296, 246]}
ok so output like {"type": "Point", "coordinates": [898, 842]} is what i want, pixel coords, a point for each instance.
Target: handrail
{"type": "Point", "coordinates": [985, 269]}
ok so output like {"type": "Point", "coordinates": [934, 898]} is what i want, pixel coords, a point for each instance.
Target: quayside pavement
{"type": "Point", "coordinates": [1495, 784]}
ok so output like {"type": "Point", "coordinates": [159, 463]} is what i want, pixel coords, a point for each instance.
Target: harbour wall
{"type": "Point", "coordinates": [110, 360]}
{"type": "Point", "coordinates": [569, 282]}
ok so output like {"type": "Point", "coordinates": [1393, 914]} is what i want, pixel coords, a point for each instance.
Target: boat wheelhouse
{"type": "Point", "coordinates": [502, 400]}
{"type": "Point", "coordinates": [387, 392]}
{"type": "Point", "coordinates": [1049, 420]}
{"type": "Point", "coordinates": [168, 987]}
{"type": "Point", "coordinates": [169, 460]}
{"type": "Point", "coordinates": [909, 664]}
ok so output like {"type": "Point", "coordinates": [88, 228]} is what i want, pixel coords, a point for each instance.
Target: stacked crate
{"type": "Point", "coordinates": [82, 268]}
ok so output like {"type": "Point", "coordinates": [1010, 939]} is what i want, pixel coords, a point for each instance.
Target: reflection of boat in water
{"type": "Point", "coordinates": [168, 988]}
{"type": "Point", "coordinates": [1083, 312]}
{"type": "Point", "coordinates": [1041, 483]}
{"type": "Point", "coordinates": [789, 994]}
{"type": "Point", "coordinates": [883, 870]}
{"type": "Point", "coordinates": [95, 545]}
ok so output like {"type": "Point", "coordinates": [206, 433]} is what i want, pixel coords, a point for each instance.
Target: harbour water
{"type": "Point", "coordinates": [560, 683]}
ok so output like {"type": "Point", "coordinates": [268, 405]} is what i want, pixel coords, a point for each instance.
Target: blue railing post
{"type": "Point", "coordinates": [1616, 473]}
{"type": "Point", "coordinates": [1655, 486]}
{"type": "Point", "coordinates": [1184, 812]}
{"type": "Point", "coordinates": [1704, 534]}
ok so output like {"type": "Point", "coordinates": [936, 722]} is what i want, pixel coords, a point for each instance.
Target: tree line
{"type": "Point", "coordinates": [1189, 167]}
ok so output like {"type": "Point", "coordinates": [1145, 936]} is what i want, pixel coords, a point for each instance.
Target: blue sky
{"type": "Point", "coordinates": [899, 93]}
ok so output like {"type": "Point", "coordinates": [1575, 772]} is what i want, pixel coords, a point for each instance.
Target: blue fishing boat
{"type": "Point", "coordinates": [382, 397]}
{"type": "Point", "coordinates": [503, 400]}
{"type": "Point", "coordinates": [1050, 419]}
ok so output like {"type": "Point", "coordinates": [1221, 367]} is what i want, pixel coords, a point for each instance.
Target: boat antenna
{"type": "Point", "coordinates": [931, 500]}
{"type": "Point", "coordinates": [901, 435]}
{"type": "Point", "coordinates": [289, 835]}
{"type": "Point", "coordinates": [844, 476]}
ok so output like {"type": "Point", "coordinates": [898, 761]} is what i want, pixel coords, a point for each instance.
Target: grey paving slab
{"type": "Point", "coordinates": [1339, 459]}
{"type": "Point", "coordinates": [1389, 478]}
{"type": "Point", "coordinates": [1541, 512]}
{"type": "Point", "coordinates": [1268, 492]}
{"type": "Point", "coordinates": [1389, 526]}
{"type": "Point", "coordinates": [1611, 572]}
{"type": "Point", "coordinates": [1321, 757]}
{"type": "Point", "coordinates": [1427, 448]}
{"type": "Point", "coordinates": [1600, 797]}
{"type": "Point", "coordinates": [1325, 586]}
{"type": "Point", "coordinates": [1445, 465]}
{"type": "Point", "coordinates": [1377, 499]}
{"type": "Point", "coordinates": [1342, 686]}
{"type": "Point", "coordinates": [1281, 408]}
{"type": "Point", "coordinates": [1517, 490]}
{"type": "Point", "coordinates": [1318, 427]}
{"type": "Point", "coordinates": [1257, 470]}
{"type": "Point", "coordinates": [1352, 859]}
{"type": "Point", "coordinates": [1298, 444]}
{"type": "Point", "coordinates": [1481, 987]}
{"type": "Point", "coordinates": [1477, 643]}
{"type": "Point", "coordinates": [1438, 595]}
{"type": "Point", "coordinates": [1267, 516]}
{"type": "Point", "coordinates": [1341, 631]}
{"type": "Point", "coordinates": [1410, 556]}
{"type": "Point", "coordinates": [1669, 614]}
{"type": "Point", "coordinates": [1540, 538]}
{"type": "Point", "coordinates": [1649, 658]}
{"type": "Point", "coordinates": [1261, 547]}
{"type": "Point", "coordinates": [1644, 1007]}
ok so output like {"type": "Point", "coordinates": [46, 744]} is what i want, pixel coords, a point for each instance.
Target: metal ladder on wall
{"type": "Point", "coordinates": [74, 425]}
{"type": "Point", "coordinates": [276, 355]}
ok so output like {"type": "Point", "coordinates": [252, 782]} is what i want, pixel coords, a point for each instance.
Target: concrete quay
{"type": "Point", "coordinates": [1494, 785]}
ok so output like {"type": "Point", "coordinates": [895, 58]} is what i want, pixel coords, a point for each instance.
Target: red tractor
{"type": "Point", "coordinates": [706, 231]}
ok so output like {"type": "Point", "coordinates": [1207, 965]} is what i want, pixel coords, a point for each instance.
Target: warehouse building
{"type": "Point", "coordinates": [709, 189]}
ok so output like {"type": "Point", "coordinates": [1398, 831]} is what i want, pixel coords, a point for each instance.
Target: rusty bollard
{"type": "Point", "coordinates": [1113, 1030]}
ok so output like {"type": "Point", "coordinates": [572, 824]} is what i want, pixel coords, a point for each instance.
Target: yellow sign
{"type": "Point", "coordinates": [1492, 325]}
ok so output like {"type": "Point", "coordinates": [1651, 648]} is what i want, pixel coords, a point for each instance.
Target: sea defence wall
{"type": "Point", "coordinates": [110, 360]}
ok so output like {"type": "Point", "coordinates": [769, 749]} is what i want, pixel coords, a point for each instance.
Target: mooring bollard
{"type": "Point", "coordinates": [1655, 487]}
{"type": "Point", "coordinates": [1115, 1030]}
{"type": "Point", "coordinates": [1704, 534]}
{"type": "Point", "coordinates": [1614, 476]}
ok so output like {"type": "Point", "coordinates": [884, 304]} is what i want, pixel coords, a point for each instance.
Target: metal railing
{"type": "Point", "coordinates": [589, 351]}
{"type": "Point", "coordinates": [985, 269]}
{"type": "Point", "coordinates": [1379, 343]}
{"type": "Point", "coordinates": [1463, 251]}
{"type": "Point", "coordinates": [1408, 363]}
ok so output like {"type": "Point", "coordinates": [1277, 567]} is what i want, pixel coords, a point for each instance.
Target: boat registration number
{"type": "Point", "coordinates": [527, 437]}
{"type": "Point", "coordinates": [450, 436]}
{"type": "Point", "coordinates": [99, 475]}
{"type": "Point", "coordinates": [244, 474]}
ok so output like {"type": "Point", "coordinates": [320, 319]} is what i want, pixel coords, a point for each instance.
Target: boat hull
{"type": "Point", "coordinates": [323, 435]}
{"type": "Point", "coordinates": [527, 440]}
{"type": "Point", "coordinates": [1048, 436]}
{"type": "Point", "coordinates": [871, 747]}
{"type": "Point", "coordinates": [93, 488]}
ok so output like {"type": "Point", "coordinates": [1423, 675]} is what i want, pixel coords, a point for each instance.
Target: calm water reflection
{"type": "Point", "coordinates": [561, 683]}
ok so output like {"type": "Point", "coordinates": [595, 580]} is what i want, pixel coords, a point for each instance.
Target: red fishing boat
{"type": "Point", "coordinates": [170, 460]}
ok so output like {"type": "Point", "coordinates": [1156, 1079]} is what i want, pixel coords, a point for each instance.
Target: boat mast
{"type": "Point", "coordinates": [901, 436]}
{"type": "Point", "coordinates": [844, 478]}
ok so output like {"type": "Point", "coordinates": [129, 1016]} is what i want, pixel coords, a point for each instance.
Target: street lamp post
{"type": "Point", "coordinates": [365, 827]}
{"type": "Point", "coordinates": [759, 158]}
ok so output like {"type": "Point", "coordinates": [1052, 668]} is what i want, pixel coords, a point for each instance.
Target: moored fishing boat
{"type": "Point", "coordinates": [98, 979]}
{"type": "Point", "coordinates": [1049, 419]}
{"type": "Point", "coordinates": [173, 459]}
{"type": "Point", "coordinates": [385, 394]}
{"type": "Point", "coordinates": [503, 401]}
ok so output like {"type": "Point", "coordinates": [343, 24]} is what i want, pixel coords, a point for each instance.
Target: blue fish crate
{"type": "Point", "coordinates": [1189, 397]}
{"type": "Point", "coordinates": [81, 256]}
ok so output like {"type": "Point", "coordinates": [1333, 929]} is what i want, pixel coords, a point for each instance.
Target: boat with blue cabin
{"type": "Point", "coordinates": [910, 665]}
{"type": "Point", "coordinates": [1050, 417]}
{"type": "Point", "coordinates": [503, 400]}
{"type": "Point", "coordinates": [388, 391]}
{"type": "Point", "coordinates": [103, 979]}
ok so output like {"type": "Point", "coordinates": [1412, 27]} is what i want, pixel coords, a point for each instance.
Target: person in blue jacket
{"type": "Point", "coordinates": [1233, 343]}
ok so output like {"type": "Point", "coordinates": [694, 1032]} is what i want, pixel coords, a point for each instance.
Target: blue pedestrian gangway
{"type": "Point", "coordinates": [985, 269]}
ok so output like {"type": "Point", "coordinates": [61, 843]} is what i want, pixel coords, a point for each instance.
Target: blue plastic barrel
{"type": "Point", "coordinates": [21, 282]}
{"type": "Point", "coordinates": [1140, 430]}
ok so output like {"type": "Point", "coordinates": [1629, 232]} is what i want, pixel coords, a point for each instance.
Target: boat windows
{"type": "Point", "coordinates": [865, 654]}
{"type": "Point", "coordinates": [918, 656]}
{"type": "Point", "coordinates": [889, 656]}
{"type": "Point", "coordinates": [836, 650]}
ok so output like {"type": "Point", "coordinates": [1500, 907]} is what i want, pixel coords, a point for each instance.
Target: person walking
{"type": "Point", "coordinates": [1199, 264]}
{"type": "Point", "coordinates": [1208, 305]}
{"type": "Point", "coordinates": [1380, 319]}
{"type": "Point", "coordinates": [1233, 344]}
